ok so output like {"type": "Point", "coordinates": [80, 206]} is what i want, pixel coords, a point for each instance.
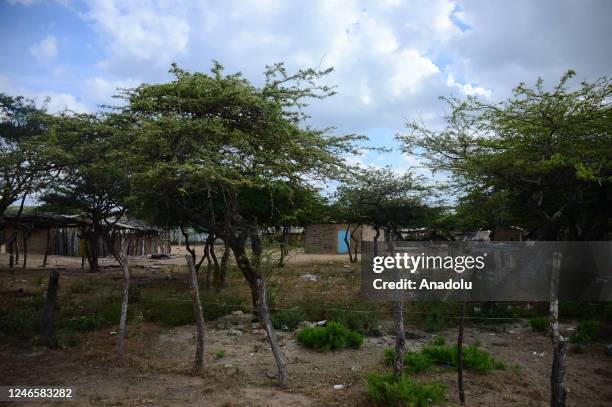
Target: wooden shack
{"type": "Point", "coordinates": [328, 238]}
{"type": "Point", "coordinates": [60, 235]}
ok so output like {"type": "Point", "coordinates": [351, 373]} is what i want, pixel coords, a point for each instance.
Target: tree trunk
{"type": "Point", "coordinates": [557, 375]}
{"type": "Point", "coordinates": [47, 248]}
{"type": "Point", "coordinates": [376, 236]}
{"type": "Point", "coordinates": [48, 319]}
{"type": "Point", "coordinates": [460, 387]}
{"type": "Point", "coordinates": [284, 246]}
{"type": "Point", "coordinates": [199, 316]}
{"type": "Point", "coordinates": [124, 303]}
{"type": "Point", "coordinates": [264, 315]}
{"type": "Point", "coordinates": [11, 250]}
{"type": "Point", "coordinates": [400, 338]}
{"type": "Point", "coordinates": [223, 266]}
{"type": "Point", "coordinates": [347, 241]}
{"type": "Point", "coordinates": [216, 266]}
{"type": "Point", "coordinates": [256, 249]}
{"type": "Point", "coordinates": [258, 290]}
{"type": "Point", "coordinates": [25, 250]}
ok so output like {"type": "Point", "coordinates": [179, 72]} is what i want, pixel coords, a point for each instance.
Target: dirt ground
{"type": "Point", "coordinates": [156, 370]}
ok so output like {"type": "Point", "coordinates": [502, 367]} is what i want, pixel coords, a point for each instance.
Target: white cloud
{"type": "Point", "coordinates": [410, 68]}
{"type": "Point", "coordinates": [54, 101]}
{"type": "Point", "coordinates": [100, 91]}
{"type": "Point", "coordinates": [145, 30]}
{"type": "Point", "coordinates": [466, 88]}
{"type": "Point", "coordinates": [45, 50]}
{"type": "Point", "coordinates": [59, 101]}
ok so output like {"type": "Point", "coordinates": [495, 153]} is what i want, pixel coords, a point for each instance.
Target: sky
{"type": "Point", "coordinates": [393, 59]}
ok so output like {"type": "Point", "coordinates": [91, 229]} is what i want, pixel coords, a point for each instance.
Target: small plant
{"type": "Point", "coordinates": [288, 319]}
{"type": "Point", "coordinates": [357, 316]}
{"type": "Point", "coordinates": [414, 362]}
{"type": "Point", "coordinates": [438, 353]}
{"type": "Point", "coordinates": [330, 337]}
{"type": "Point", "coordinates": [220, 354]}
{"type": "Point", "coordinates": [539, 324]}
{"type": "Point", "coordinates": [587, 331]}
{"type": "Point", "coordinates": [406, 392]}
{"type": "Point", "coordinates": [517, 370]}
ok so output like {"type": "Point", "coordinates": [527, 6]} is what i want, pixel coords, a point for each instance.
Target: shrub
{"type": "Point", "coordinates": [20, 323]}
{"type": "Point", "coordinates": [220, 354]}
{"type": "Point", "coordinates": [101, 312]}
{"type": "Point", "coordinates": [358, 317]}
{"type": "Point", "coordinates": [539, 324]}
{"type": "Point", "coordinates": [587, 331]}
{"type": "Point", "coordinates": [491, 314]}
{"type": "Point", "coordinates": [414, 362]}
{"type": "Point", "coordinates": [168, 311]}
{"type": "Point", "coordinates": [329, 337]}
{"type": "Point", "coordinates": [437, 352]}
{"type": "Point", "coordinates": [406, 392]}
{"type": "Point", "coordinates": [288, 319]}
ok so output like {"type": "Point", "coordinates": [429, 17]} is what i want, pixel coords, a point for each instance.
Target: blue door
{"type": "Point", "coordinates": [342, 247]}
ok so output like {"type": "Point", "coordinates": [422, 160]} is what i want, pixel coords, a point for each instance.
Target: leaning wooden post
{"type": "Point", "coordinates": [124, 263]}
{"type": "Point", "coordinates": [400, 336]}
{"type": "Point", "coordinates": [199, 316]}
{"type": "Point", "coordinates": [460, 386]}
{"type": "Point", "coordinates": [557, 375]}
{"type": "Point", "coordinates": [48, 331]}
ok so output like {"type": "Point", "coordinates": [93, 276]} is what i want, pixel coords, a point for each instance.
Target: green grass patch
{"type": "Point", "coordinates": [587, 331]}
{"type": "Point", "coordinates": [383, 391]}
{"type": "Point", "coordinates": [439, 354]}
{"type": "Point", "coordinates": [539, 324]}
{"type": "Point", "coordinates": [330, 337]}
{"type": "Point", "coordinates": [288, 320]}
{"type": "Point", "coordinates": [220, 354]}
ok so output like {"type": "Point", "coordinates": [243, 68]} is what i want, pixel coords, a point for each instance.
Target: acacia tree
{"type": "Point", "coordinates": [28, 159]}
{"type": "Point", "coordinates": [541, 156]}
{"type": "Point", "coordinates": [202, 139]}
{"type": "Point", "coordinates": [386, 201]}
{"type": "Point", "coordinates": [94, 180]}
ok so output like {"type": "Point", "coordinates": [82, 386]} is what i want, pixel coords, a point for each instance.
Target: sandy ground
{"type": "Point", "coordinates": [157, 370]}
{"type": "Point", "coordinates": [177, 258]}
{"type": "Point", "coordinates": [157, 367]}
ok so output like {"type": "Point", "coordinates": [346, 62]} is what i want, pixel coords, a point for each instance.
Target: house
{"type": "Point", "coordinates": [329, 238]}
{"type": "Point", "coordinates": [57, 234]}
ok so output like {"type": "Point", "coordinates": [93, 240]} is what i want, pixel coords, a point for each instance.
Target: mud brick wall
{"type": "Point", "coordinates": [322, 238]}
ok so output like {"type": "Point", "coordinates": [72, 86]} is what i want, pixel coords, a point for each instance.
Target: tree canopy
{"type": "Point", "coordinates": [541, 158]}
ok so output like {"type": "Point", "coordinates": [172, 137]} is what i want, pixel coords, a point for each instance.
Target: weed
{"type": "Point", "coordinates": [288, 319]}
{"type": "Point", "coordinates": [587, 331]}
{"type": "Point", "coordinates": [329, 337]}
{"type": "Point", "coordinates": [406, 392]}
{"type": "Point", "coordinates": [357, 316]}
{"type": "Point", "coordinates": [220, 354]}
{"type": "Point", "coordinates": [414, 362]}
{"type": "Point", "coordinates": [539, 324]}
{"type": "Point", "coordinates": [438, 353]}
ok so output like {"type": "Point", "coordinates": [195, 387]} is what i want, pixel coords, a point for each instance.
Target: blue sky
{"type": "Point", "coordinates": [393, 58]}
